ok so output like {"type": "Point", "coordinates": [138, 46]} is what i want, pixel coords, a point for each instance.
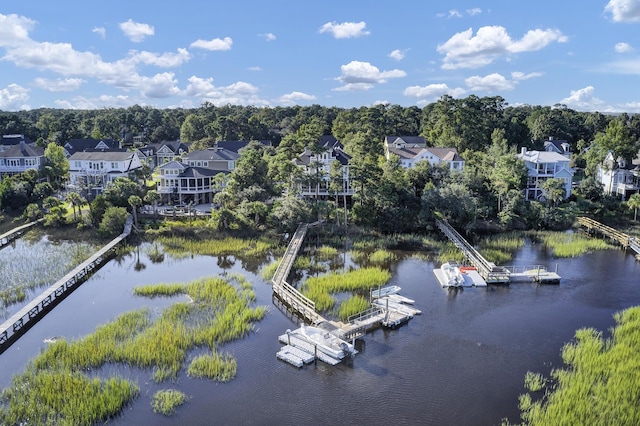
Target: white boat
{"type": "Point", "coordinates": [385, 291]}
{"type": "Point", "coordinates": [326, 342]}
{"type": "Point", "coordinates": [452, 274]}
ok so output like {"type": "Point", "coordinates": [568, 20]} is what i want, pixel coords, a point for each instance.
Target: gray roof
{"type": "Point", "coordinates": [15, 151]}
{"type": "Point", "coordinates": [212, 154]}
{"type": "Point", "coordinates": [74, 145]}
{"type": "Point", "coordinates": [412, 141]}
{"type": "Point", "coordinates": [14, 140]}
{"type": "Point", "coordinates": [102, 156]}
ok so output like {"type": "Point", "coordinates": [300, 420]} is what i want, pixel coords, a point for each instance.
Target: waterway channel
{"type": "Point", "coordinates": [462, 361]}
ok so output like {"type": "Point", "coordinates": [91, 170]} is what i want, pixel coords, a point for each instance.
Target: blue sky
{"type": "Point", "coordinates": [87, 54]}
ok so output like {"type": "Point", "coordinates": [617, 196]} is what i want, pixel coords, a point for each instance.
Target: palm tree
{"type": "Point", "coordinates": [135, 202]}
{"type": "Point", "coordinates": [634, 203]}
{"type": "Point", "coordinates": [75, 200]}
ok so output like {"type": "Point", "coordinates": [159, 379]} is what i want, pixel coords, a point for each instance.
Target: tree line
{"type": "Point", "coordinates": [261, 191]}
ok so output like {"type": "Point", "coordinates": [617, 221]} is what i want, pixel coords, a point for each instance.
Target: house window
{"type": "Point", "coordinates": [205, 163]}
{"type": "Point", "coordinates": [114, 165]}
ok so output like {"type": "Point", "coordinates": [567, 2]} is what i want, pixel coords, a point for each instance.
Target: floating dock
{"type": "Point", "coordinates": [537, 274]}
{"type": "Point", "coordinates": [470, 278]}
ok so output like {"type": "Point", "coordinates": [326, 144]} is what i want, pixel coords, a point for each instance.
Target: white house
{"type": "Point", "coordinates": [543, 165]}
{"type": "Point", "coordinates": [317, 169]}
{"type": "Point", "coordinates": [92, 172]}
{"type": "Point", "coordinates": [411, 149]}
{"type": "Point", "coordinates": [180, 183]}
{"type": "Point", "coordinates": [620, 177]}
{"type": "Point", "coordinates": [155, 154]}
{"type": "Point", "coordinates": [20, 158]}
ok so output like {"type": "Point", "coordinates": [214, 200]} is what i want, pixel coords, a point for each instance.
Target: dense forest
{"type": "Point", "coordinates": [486, 132]}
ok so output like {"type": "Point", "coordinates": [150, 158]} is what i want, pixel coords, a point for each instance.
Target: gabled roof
{"type": "Point", "coordinates": [22, 151]}
{"type": "Point", "coordinates": [445, 154]}
{"type": "Point", "coordinates": [304, 159]}
{"type": "Point", "coordinates": [410, 141]}
{"type": "Point", "coordinates": [556, 145]}
{"type": "Point", "coordinates": [539, 157]}
{"type": "Point", "coordinates": [212, 154]}
{"type": "Point", "coordinates": [74, 145]}
{"type": "Point", "coordinates": [174, 146]}
{"type": "Point", "coordinates": [198, 172]}
{"type": "Point", "coordinates": [102, 156]}
{"type": "Point", "coordinates": [173, 165]}
{"type": "Point", "coordinates": [14, 140]}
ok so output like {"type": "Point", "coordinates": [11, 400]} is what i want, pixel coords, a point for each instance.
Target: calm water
{"type": "Point", "coordinates": [462, 362]}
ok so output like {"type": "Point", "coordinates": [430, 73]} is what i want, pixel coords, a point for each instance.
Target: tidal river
{"type": "Point", "coordinates": [462, 362]}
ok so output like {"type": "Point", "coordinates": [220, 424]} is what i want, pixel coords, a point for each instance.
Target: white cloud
{"type": "Point", "coordinates": [520, 76]}
{"type": "Point", "coordinates": [59, 85]}
{"type": "Point", "coordinates": [474, 11]}
{"type": "Point", "coordinates": [293, 97]}
{"type": "Point", "coordinates": [215, 44]}
{"type": "Point", "coordinates": [255, 68]}
{"type": "Point", "coordinates": [161, 85]}
{"type": "Point", "coordinates": [583, 99]}
{"type": "Point", "coordinates": [624, 10]}
{"type": "Point", "coordinates": [453, 13]}
{"type": "Point", "coordinates": [345, 29]}
{"type": "Point", "coordinates": [268, 36]}
{"type": "Point", "coordinates": [623, 47]}
{"type": "Point", "coordinates": [464, 50]}
{"type": "Point", "coordinates": [433, 91]}
{"type": "Point", "coordinates": [164, 60]}
{"type": "Point", "coordinates": [240, 93]}
{"type": "Point", "coordinates": [101, 31]}
{"type": "Point", "coordinates": [357, 75]}
{"type": "Point", "coordinates": [14, 98]}
{"type": "Point", "coordinates": [136, 31]}
{"type": "Point", "coordinates": [14, 30]}
{"type": "Point", "coordinates": [490, 83]}
{"type": "Point", "coordinates": [398, 54]}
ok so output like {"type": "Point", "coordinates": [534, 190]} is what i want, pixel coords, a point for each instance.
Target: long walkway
{"type": "Point", "coordinates": [287, 293]}
{"type": "Point", "coordinates": [355, 327]}
{"type": "Point", "coordinates": [15, 233]}
{"type": "Point", "coordinates": [621, 238]}
{"type": "Point", "coordinates": [26, 317]}
{"type": "Point", "coordinates": [491, 273]}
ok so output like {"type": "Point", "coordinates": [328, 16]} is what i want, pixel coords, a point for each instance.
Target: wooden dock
{"type": "Point", "coordinates": [625, 240]}
{"type": "Point", "coordinates": [491, 273]}
{"type": "Point", "coordinates": [305, 308]}
{"type": "Point", "coordinates": [26, 317]}
{"type": "Point", "coordinates": [8, 237]}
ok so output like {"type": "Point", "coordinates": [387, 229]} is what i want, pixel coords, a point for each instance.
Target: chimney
{"type": "Point", "coordinates": [23, 146]}
{"type": "Point", "coordinates": [523, 150]}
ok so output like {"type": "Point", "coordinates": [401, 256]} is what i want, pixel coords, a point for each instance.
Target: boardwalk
{"type": "Point", "coordinates": [26, 317]}
{"type": "Point", "coordinates": [15, 233]}
{"type": "Point", "coordinates": [301, 304]}
{"type": "Point", "coordinates": [298, 303]}
{"type": "Point", "coordinates": [621, 238]}
{"type": "Point", "coordinates": [491, 273]}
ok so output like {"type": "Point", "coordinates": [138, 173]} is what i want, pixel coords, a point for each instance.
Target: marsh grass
{"type": "Point", "coordinates": [319, 289]}
{"type": "Point", "coordinates": [382, 257]}
{"type": "Point", "coordinates": [450, 253]}
{"type": "Point", "coordinates": [268, 271]}
{"type": "Point", "coordinates": [218, 367]}
{"type": "Point", "coordinates": [565, 244]}
{"type": "Point", "coordinates": [600, 384]}
{"type": "Point", "coordinates": [166, 401]}
{"type": "Point", "coordinates": [500, 248]}
{"type": "Point", "coordinates": [37, 262]}
{"type": "Point", "coordinates": [352, 306]}
{"type": "Point", "coordinates": [220, 313]}
{"type": "Point", "coordinates": [326, 253]}
{"type": "Point", "coordinates": [179, 246]}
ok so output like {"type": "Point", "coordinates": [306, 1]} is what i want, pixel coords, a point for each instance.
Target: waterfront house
{"type": "Point", "coordinates": [316, 168]}
{"type": "Point", "coordinates": [619, 176]}
{"type": "Point", "coordinates": [155, 154]}
{"type": "Point", "coordinates": [20, 157]}
{"type": "Point", "coordinates": [181, 183]}
{"type": "Point", "coordinates": [91, 172]}
{"type": "Point", "coordinates": [411, 149]}
{"type": "Point", "coordinates": [543, 165]}
{"type": "Point", "coordinates": [561, 147]}
{"type": "Point", "coordinates": [90, 145]}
